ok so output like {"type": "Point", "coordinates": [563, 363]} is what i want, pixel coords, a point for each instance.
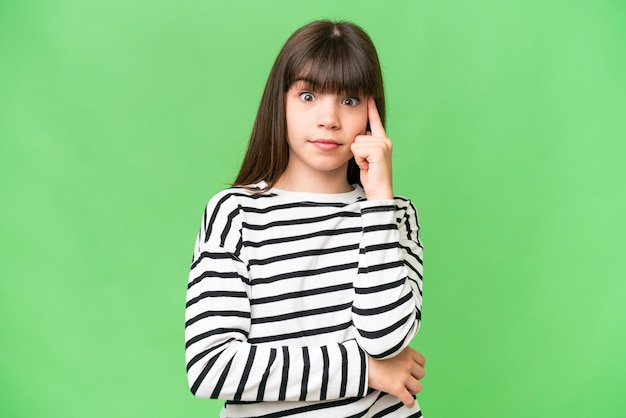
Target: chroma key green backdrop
{"type": "Point", "coordinates": [120, 118]}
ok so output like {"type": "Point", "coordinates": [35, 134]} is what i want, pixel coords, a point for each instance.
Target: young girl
{"type": "Point", "coordinates": [306, 283]}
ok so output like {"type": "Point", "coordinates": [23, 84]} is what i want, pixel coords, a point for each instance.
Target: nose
{"type": "Point", "coordinates": [328, 114]}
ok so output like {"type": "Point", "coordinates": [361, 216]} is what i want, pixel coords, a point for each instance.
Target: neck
{"type": "Point", "coordinates": [317, 182]}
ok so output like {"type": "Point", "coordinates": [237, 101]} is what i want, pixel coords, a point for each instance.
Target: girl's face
{"type": "Point", "coordinates": [320, 129]}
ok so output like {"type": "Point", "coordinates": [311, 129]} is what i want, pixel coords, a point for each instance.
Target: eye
{"type": "Point", "coordinates": [307, 96]}
{"type": "Point", "coordinates": [350, 101]}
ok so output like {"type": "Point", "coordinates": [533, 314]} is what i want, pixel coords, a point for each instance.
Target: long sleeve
{"type": "Point", "coordinates": [388, 288]}
{"type": "Point", "coordinates": [221, 363]}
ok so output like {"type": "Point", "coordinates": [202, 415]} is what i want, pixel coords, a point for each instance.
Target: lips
{"type": "Point", "coordinates": [326, 144]}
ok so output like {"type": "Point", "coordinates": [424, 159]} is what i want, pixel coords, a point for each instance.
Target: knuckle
{"type": "Point", "coordinates": [397, 387]}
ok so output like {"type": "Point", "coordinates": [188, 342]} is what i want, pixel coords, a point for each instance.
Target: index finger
{"type": "Point", "coordinates": [376, 124]}
{"type": "Point", "coordinates": [419, 358]}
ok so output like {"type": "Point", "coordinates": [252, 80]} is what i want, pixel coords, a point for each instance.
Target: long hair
{"type": "Point", "coordinates": [334, 57]}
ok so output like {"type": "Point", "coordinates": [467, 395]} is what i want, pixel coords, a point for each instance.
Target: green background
{"type": "Point", "coordinates": [120, 118]}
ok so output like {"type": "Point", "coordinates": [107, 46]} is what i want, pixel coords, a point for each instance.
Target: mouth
{"type": "Point", "coordinates": [325, 144]}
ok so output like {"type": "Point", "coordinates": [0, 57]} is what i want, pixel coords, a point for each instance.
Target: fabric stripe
{"type": "Point", "coordinates": [323, 233]}
{"type": "Point", "coordinates": [363, 372]}
{"type": "Point", "coordinates": [301, 314]}
{"type": "Point", "coordinates": [306, 253]}
{"type": "Point", "coordinates": [325, 366]}
{"type": "Point", "coordinates": [300, 294]}
{"type": "Point", "coordinates": [382, 309]}
{"type": "Point", "coordinates": [221, 380]}
{"type": "Point", "coordinates": [305, 373]}
{"type": "Point", "coordinates": [261, 391]}
{"type": "Point", "coordinates": [304, 273]}
{"type": "Point", "coordinates": [299, 334]}
{"type": "Point", "coordinates": [283, 384]}
{"type": "Point", "coordinates": [216, 294]}
{"type": "Point", "coordinates": [344, 371]}
{"type": "Point", "coordinates": [246, 374]}
{"type": "Point", "coordinates": [301, 221]}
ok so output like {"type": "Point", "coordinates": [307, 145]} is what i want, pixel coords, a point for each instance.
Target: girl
{"type": "Point", "coordinates": [306, 282]}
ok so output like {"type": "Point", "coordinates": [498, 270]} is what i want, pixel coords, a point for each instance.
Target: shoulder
{"type": "Point", "coordinates": [405, 207]}
{"type": "Point", "coordinates": [233, 197]}
{"type": "Point", "coordinates": [402, 202]}
{"type": "Point", "coordinates": [222, 212]}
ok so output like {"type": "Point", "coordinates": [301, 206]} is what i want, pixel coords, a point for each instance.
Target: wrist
{"type": "Point", "coordinates": [382, 191]}
{"type": "Point", "coordinates": [379, 196]}
{"type": "Point", "coordinates": [371, 373]}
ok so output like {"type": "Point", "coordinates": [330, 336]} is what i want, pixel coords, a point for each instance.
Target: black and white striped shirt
{"type": "Point", "coordinates": [290, 292]}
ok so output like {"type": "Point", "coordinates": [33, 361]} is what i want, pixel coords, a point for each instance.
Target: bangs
{"type": "Point", "coordinates": [333, 66]}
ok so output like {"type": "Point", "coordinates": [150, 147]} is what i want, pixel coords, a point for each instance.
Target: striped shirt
{"type": "Point", "coordinates": [290, 292]}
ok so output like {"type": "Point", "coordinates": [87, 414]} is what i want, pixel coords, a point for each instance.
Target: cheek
{"type": "Point", "coordinates": [363, 122]}
{"type": "Point", "coordinates": [291, 123]}
{"type": "Point", "coordinates": [357, 121]}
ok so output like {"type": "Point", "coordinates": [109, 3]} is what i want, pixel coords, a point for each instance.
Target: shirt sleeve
{"type": "Point", "coordinates": [220, 361]}
{"type": "Point", "coordinates": [388, 289]}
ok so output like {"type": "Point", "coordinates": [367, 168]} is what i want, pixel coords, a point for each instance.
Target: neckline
{"type": "Point", "coordinates": [344, 197]}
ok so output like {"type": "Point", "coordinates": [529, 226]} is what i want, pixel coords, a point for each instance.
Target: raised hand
{"type": "Point", "coordinates": [372, 153]}
{"type": "Point", "coordinates": [398, 376]}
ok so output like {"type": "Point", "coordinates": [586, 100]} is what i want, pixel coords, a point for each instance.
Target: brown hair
{"type": "Point", "coordinates": [333, 57]}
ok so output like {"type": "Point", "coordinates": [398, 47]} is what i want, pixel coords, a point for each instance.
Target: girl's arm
{"type": "Point", "coordinates": [388, 288]}
{"type": "Point", "coordinates": [220, 362]}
